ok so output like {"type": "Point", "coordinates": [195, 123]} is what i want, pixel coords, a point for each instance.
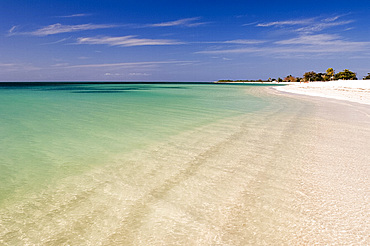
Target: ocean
{"type": "Point", "coordinates": [152, 164]}
{"type": "Point", "coordinates": [52, 131]}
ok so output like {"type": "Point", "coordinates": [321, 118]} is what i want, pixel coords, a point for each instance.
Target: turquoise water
{"type": "Point", "coordinates": [148, 164]}
{"type": "Point", "coordinates": [180, 164]}
{"type": "Point", "coordinates": [50, 132]}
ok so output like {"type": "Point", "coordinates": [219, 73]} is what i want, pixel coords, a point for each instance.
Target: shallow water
{"type": "Point", "coordinates": [51, 132]}
{"type": "Point", "coordinates": [167, 164]}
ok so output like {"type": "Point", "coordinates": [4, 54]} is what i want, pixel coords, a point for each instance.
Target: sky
{"type": "Point", "coordinates": [180, 40]}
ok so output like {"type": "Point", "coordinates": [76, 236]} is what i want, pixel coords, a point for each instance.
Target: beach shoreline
{"type": "Point", "coordinates": [354, 90]}
{"type": "Point", "coordinates": [334, 164]}
{"type": "Point", "coordinates": [292, 171]}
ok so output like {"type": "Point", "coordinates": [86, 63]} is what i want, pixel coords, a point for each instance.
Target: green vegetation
{"type": "Point", "coordinates": [346, 75]}
{"type": "Point", "coordinates": [329, 75]}
{"type": "Point", "coordinates": [309, 76]}
{"type": "Point", "coordinates": [290, 78]}
{"type": "Point", "coordinates": [330, 72]}
{"type": "Point", "coordinates": [368, 76]}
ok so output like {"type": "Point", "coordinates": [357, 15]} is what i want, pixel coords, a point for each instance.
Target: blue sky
{"type": "Point", "coordinates": [124, 40]}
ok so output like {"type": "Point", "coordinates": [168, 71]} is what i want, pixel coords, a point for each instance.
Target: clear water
{"type": "Point", "coordinates": [51, 132]}
{"type": "Point", "coordinates": [180, 164]}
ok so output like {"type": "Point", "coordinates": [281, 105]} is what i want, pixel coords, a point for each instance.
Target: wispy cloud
{"type": "Point", "coordinates": [187, 22]}
{"type": "Point", "coordinates": [332, 18]}
{"type": "Point", "coordinates": [232, 51]}
{"type": "Point", "coordinates": [319, 39]}
{"type": "Point", "coordinates": [11, 67]}
{"type": "Point", "coordinates": [250, 24]}
{"type": "Point", "coordinates": [243, 41]}
{"type": "Point", "coordinates": [65, 64]}
{"type": "Point", "coordinates": [244, 46]}
{"type": "Point", "coordinates": [316, 27]}
{"type": "Point", "coordinates": [7, 65]}
{"type": "Point", "coordinates": [74, 15]}
{"type": "Point", "coordinates": [308, 38]}
{"type": "Point", "coordinates": [139, 74]}
{"type": "Point", "coordinates": [12, 31]}
{"type": "Point", "coordinates": [325, 43]}
{"type": "Point", "coordinates": [59, 28]}
{"type": "Point", "coordinates": [235, 41]}
{"type": "Point", "coordinates": [310, 25]}
{"type": "Point", "coordinates": [126, 41]}
{"type": "Point", "coordinates": [58, 41]}
{"type": "Point", "coordinates": [113, 74]}
{"type": "Point", "coordinates": [130, 64]}
{"type": "Point", "coordinates": [322, 44]}
{"type": "Point", "coordinates": [286, 23]}
{"type": "Point", "coordinates": [108, 68]}
{"type": "Point", "coordinates": [129, 74]}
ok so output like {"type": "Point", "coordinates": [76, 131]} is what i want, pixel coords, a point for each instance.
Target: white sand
{"type": "Point", "coordinates": [349, 90]}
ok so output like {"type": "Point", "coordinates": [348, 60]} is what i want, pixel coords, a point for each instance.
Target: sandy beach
{"type": "Point", "coordinates": [336, 180]}
{"type": "Point", "coordinates": [354, 90]}
{"type": "Point", "coordinates": [335, 174]}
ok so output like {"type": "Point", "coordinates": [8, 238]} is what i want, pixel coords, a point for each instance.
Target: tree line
{"type": "Point", "coordinates": [327, 76]}
{"type": "Point", "coordinates": [310, 76]}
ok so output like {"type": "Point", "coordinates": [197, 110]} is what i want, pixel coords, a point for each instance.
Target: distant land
{"type": "Point", "coordinates": [308, 76]}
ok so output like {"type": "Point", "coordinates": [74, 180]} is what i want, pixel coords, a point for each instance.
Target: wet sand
{"type": "Point", "coordinates": [335, 175]}
{"type": "Point", "coordinates": [296, 173]}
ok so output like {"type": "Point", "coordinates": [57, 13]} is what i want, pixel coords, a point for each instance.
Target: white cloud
{"type": "Point", "coordinates": [130, 64]}
{"type": "Point", "coordinates": [11, 30]}
{"type": "Point", "coordinates": [286, 23]}
{"type": "Point", "coordinates": [243, 41]}
{"type": "Point", "coordinates": [139, 74]}
{"type": "Point", "coordinates": [319, 39]}
{"type": "Point", "coordinates": [326, 43]}
{"type": "Point", "coordinates": [126, 41]}
{"type": "Point", "coordinates": [321, 26]}
{"type": "Point", "coordinates": [60, 65]}
{"type": "Point", "coordinates": [130, 74]}
{"type": "Point", "coordinates": [310, 40]}
{"type": "Point", "coordinates": [311, 25]}
{"type": "Point", "coordinates": [7, 64]}
{"type": "Point", "coordinates": [231, 51]}
{"type": "Point", "coordinates": [304, 44]}
{"type": "Point", "coordinates": [74, 15]}
{"type": "Point", "coordinates": [112, 74]}
{"type": "Point", "coordinates": [59, 28]}
{"type": "Point", "coordinates": [332, 18]}
{"type": "Point", "coordinates": [188, 22]}
{"type": "Point", "coordinates": [58, 41]}
{"type": "Point", "coordinates": [235, 41]}
{"type": "Point", "coordinates": [11, 67]}
{"type": "Point", "coordinates": [251, 24]}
